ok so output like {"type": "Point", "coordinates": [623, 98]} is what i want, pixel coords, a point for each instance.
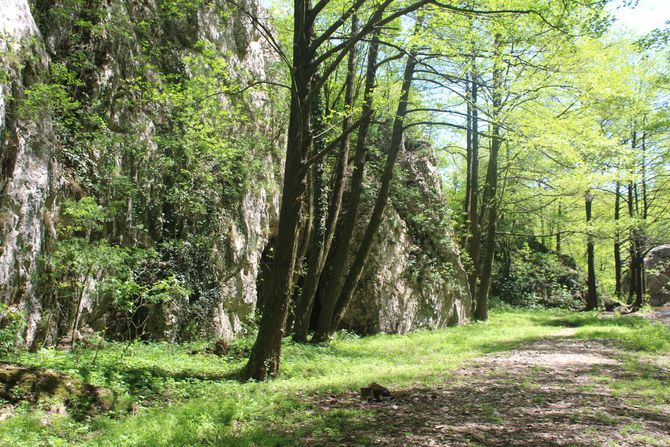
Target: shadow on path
{"type": "Point", "coordinates": [553, 392]}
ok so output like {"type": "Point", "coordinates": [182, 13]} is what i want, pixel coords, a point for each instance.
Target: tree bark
{"type": "Point", "coordinates": [265, 353]}
{"type": "Point", "coordinates": [474, 241]}
{"type": "Point", "coordinates": [618, 265]}
{"type": "Point", "coordinates": [559, 233]}
{"type": "Point", "coordinates": [468, 160]}
{"type": "Point", "coordinates": [326, 230]}
{"type": "Point", "coordinates": [592, 293]}
{"type": "Point", "coordinates": [490, 200]}
{"type": "Point", "coordinates": [339, 257]}
{"type": "Point", "coordinates": [636, 270]}
{"type": "Point", "coordinates": [304, 300]}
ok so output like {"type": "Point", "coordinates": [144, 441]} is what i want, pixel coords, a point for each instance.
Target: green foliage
{"type": "Point", "coordinates": [78, 257]}
{"type": "Point", "coordinates": [82, 262]}
{"type": "Point", "coordinates": [12, 324]}
{"type": "Point", "coordinates": [52, 97]}
{"type": "Point", "coordinates": [537, 278]}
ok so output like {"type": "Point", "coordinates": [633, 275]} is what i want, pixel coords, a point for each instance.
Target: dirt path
{"type": "Point", "coordinates": [554, 392]}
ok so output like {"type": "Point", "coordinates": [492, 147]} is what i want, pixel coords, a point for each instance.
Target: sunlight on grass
{"type": "Point", "coordinates": [183, 399]}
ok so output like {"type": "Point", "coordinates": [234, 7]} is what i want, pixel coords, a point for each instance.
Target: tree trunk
{"type": "Point", "coordinates": [264, 359]}
{"type": "Point", "coordinates": [636, 291]}
{"type": "Point", "coordinates": [490, 200]}
{"type": "Point", "coordinates": [468, 161]}
{"type": "Point", "coordinates": [592, 294]}
{"type": "Point", "coordinates": [305, 298]}
{"type": "Point", "coordinates": [321, 246]}
{"type": "Point", "coordinates": [618, 265]}
{"type": "Point", "coordinates": [474, 241]}
{"type": "Point", "coordinates": [490, 210]}
{"type": "Point", "coordinates": [632, 264]}
{"type": "Point", "coordinates": [558, 229]}
{"type": "Point", "coordinates": [337, 307]}
{"type": "Point", "coordinates": [339, 257]}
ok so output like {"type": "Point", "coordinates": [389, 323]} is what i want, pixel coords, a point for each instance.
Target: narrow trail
{"type": "Point", "coordinates": [557, 391]}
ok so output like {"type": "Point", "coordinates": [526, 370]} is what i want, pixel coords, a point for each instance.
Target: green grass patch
{"type": "Point", "coordinates": [636, 332]}
{"type": "Point", "coordinates": [185, 399]}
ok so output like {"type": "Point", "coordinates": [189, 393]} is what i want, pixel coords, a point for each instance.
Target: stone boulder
{"type": "Point", "coordinates": [414, 277]}
{"type": "Point", "coordinates": [657, 275]}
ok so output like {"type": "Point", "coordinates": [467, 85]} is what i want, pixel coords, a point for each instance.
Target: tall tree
{"type": "Point", "coordinates": [592, 293]}
{"type": "Point", "coordinates": [311, 66]}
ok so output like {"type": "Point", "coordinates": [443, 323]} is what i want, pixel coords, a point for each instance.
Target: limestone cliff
{"type": "Point", "coordinates": [28, 172]}
{"type": "Point", "coordinates": [141, 163]}
{"type": "Point", "coordinates": [109, 71]}
{"type": "Point", "coordinates": [414, 278]}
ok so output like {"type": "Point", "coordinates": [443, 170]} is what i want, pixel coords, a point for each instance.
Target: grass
{"type": "Point", "coordinates": [635, 332]}
{"type": "Point", "coordinates": [174, 398]}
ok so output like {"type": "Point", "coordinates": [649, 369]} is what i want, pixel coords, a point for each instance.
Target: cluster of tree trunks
{"type": "Point", "coordinates": [481, 218]}
{"type": "Point", "coordinates": [638, 204]}
{"type": "Point", "coordinates": [331, 270]}
{"type": "Point", "coordinates": [315, 247]}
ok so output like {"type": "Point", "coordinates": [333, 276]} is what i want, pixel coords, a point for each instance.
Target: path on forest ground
{"type": "Point", "coordinates": [558, 391]}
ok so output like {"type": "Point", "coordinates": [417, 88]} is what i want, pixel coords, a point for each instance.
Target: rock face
{"type": "Point", "coordinates": [28, 171]}
{"type": "Point", "coordinates": [140, 177]}
{"type": "Point", "coordinates": [657, 275]}
{"type": "Point", "coordinates": [120, 66]}
{"type": "Point", "coordinates": [530, 274]}
{"type": "Point", "coordinates": [414, 277]}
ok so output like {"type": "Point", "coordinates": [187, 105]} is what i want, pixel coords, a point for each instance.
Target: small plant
{"type": "Point", "coordinates": [12, 324]}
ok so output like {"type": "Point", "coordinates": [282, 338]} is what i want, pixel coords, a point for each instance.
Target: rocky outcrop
{"type": "Point", "coordinates": [28, 172]}
{"type": "Point", "coordinates": [122, 61]}
{"type": "Point", "coordinates": [140, 176]}
{"type": "Point", "coordinates": [657, 275]}
{"type": "Point", "coordinates": [414, 277]}
{"type": "Point", "coordinates": [530, 274]}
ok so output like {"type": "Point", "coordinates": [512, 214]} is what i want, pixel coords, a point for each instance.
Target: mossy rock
{"type": "Point", "coordinates": [48, 388]}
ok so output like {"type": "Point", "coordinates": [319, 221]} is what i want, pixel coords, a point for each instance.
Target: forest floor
{"type": "Point", "coordinates": [558, 391]}
{"type": "Point", "coordinates": [524, 378]}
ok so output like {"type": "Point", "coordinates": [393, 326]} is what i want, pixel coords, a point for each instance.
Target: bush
{"type": "Point", "coordinates": [11, 325]}
{"type": "Point", "coordinates": [538, 278]}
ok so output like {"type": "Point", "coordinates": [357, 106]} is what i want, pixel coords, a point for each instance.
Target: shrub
{"type": "Point", "coordinates": [12, 324]}
{"type": "Point", "coordinates": [535, 277]}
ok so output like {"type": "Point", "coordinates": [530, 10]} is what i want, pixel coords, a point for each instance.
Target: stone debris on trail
{"type": "Point", "coordinates": [549, 393]}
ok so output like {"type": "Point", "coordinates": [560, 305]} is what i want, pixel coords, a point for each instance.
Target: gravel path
{"type": "Point", "coordinates": [555, 392]}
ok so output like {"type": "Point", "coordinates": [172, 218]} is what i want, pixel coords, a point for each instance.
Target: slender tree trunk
{"type": "Point", "coordinates": [264, 358]}
{"type": "Point", "coordinates": [347, 291]}
{"type": "Point", "coordinates": [636, 291]}
{"type": "Point", "coordinates": [592, 293]}
{"type": "Point", "coordinates": [341, 172]}
{"type": "Point", "coordinates": [645, 199]}
{"type": "Point", "coordinates": [632, 266]}
{"type": "Point", "coordinates": [474, 241]}
{"type": "Point", "coordinates": [490, 211]}
{"type": "Point", "coordinates": [468, 161]}
{"type": "Point", "coordinates": [618, 265]}
{"type": "Point", "coordinates": [490, 201]}
{"type": "Point", "coordinates": [645, 215]}
{"type": "Point", "coordinates": [304, 300]}
{"type": "Point", "coordinates": [636, 294]}
{"type": "Point", "coordinates": [558, 229]}
{"type": "Point", "coordinates": [337, 265]}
